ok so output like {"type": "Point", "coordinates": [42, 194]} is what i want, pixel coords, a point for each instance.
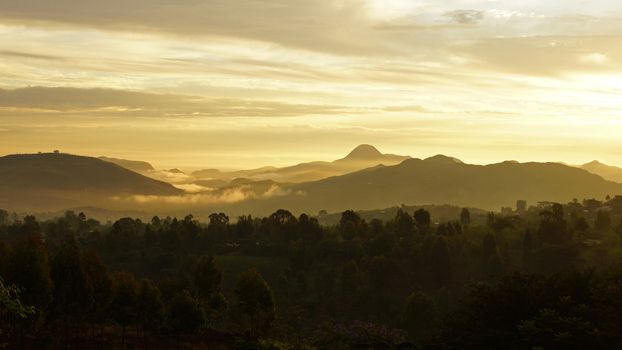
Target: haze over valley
{"type": "Point", "coordinates": [365, 179]}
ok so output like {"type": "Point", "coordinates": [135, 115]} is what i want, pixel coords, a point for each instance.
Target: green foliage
{"type": "Point", "coordinates": [11, 309]}
{"type": "Point", "coordinates": [350, 225]}
{"type": "Point", "coordinates": [207, 277]}
{"type": "Point", "coordinates": [465, 217]}
{"type": "Point", "coordinates": [420, 315]}
{"type": "Point", "coordinates": [208, 284]}
{"type": "Point", "coordinates": [149, 305]}
{"type": "Point", "coordinates": [357, 269]}
{"type": "Point", "coordinates": [184, 314]}
{"type": "Point", "coordinates": [423, 220]}
{"type": "Point", "coordinates": [101, 286]}
{"type": "Point", "coordinates": [28, 268]}
{"type": "Point", "coordinates": [603, 221]}
{"type": "Point", "coordinates": [73, 292]}
{"type": "Point", "coordinates": [255, 303]}
{"type": "Point", "coordinates": [124, 299]}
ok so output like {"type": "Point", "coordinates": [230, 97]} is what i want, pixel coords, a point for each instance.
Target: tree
{"type": "Point", "coordinates": [383, 274]}
{"type": "Point", "coordinates": [124, 234]}
{"type": "Point", "coordinates": [4, 217]}
{"type": "Point", "coordinates": [581, 226]}
{"type": "Point", "coordinates": [603, 221]}
{"type": "Point", "coordinates": [553, 226]}
{"type": "Point", "coordinates": [465, 217]}
{"type": "Point", "coordinates": [404, 223]}
{"type": "Point", "coordinates": [207, 277]}
{"type": "Point", "coordinates": [491, 262]}
{"type": "Point", "coordinates": [123, 307]}
{"type": "Point", "coordinates": [184, 314]}
{"type": "Point", "coordinates": [149, 306]}
{"type": "Point", "coordinates": [282, 227]}
{"type": "Point", "coordinates": [419, 315]}
{"type": "Point", "coordinates": [423, 220]}
{"type": "Point", "coordinates": [208, 283]}
{"type": "Point", "coordinates": [349, 225]}
{"type": "Point", "coordinates": [350, 277]}
{"type": "Point", "coordinates": [28, 268]}
{"type": "Point", "coordinates": [101, 285]}
{"type": "Point", "coordinates": [440, 261]}
{"type": "Point", "coordinates": [73, 293]}
{"type": "Point", "coordinates": [244, 227]}
{"type": "Point", "coordinates": [255, 303]}
{"type": "Point", "coordinates": [309, 228]}
{"type": "Point", "coordinates": [29, 228]}
{"type": "Point", "coordinates": [11, 307]}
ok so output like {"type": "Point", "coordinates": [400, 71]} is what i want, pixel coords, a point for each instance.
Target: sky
{"type": "Point", "coordinates": [245, 83]}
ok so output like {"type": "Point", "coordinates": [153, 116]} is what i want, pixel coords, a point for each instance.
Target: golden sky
{"type": "Point", "coordinates": [245, 83]}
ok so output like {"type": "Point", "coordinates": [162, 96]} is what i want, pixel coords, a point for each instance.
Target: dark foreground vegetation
{"type": "Point", "coordinates": [547, 277]}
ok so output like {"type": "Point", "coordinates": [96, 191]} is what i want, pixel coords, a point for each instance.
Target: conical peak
{"type": "Point", "coordinates": [364, 152]}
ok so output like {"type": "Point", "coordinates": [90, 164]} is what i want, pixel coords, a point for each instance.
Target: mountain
{"type": "Point", "coordinates": [133, 165]}
{"type": "Point", "coordinates": [56, 180]}
{"type": "Point", "coordinates": [364, 152]}
{"type": "Point", "coordinates": [361, 157]}
{"type": "Point", "coordinates": [608, 172]}
{"type": "Point", "coordinates": [444, 180]}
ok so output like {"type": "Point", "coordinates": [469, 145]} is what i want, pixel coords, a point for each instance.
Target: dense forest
{"type": "Point", "coordinates": [543, 277]}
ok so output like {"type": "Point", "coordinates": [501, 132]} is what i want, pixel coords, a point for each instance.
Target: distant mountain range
{"type": "Point", "coordinates": [443, 180]}
{"type": "Point", "coordinates": [363, 156]}
{"type": "Point", "coordinates": [364, 180]}
{"type": "Point", "coordinates": [56, 180]}
{"type": "Point", "coordinates": [608, 172]}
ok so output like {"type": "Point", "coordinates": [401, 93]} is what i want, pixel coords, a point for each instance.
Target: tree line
{"type": "Point", "coordinates": [544, 278]}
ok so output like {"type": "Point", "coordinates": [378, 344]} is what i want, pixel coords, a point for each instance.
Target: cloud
{"type": "Point", "coordinates": [27, 55]}
{"type": "Point", "coordinates": [465, 16]}
{"type": "Point", "coordinates": [318, 25]}
{"type": "Point", "coordinates": [345, 27]}
{"type": "Point", "coordinates": [224, 196]}
{"type": "Point", "coordinates": [120, 102]}
{"type": "Point", "coordinates": [594, 58]}
{"type": "Point", "coordinates": [545, 55]}
{"type": "Point", "coordinates": [407, 108]}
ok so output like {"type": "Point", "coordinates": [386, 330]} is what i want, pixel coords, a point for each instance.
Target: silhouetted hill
{"type": "Point", "coordinates": [442, 180]}
{"type": "Point", "coordinates": [61, 180]}
{"type": "Point", "coordinates": [608, 172]}
{"type": "Point", "coordinates": [133, 165]}
{"type": "Point", "coordinates": [364, 152]}
{"type": "Point", "coordinates": [363, 156]}
{"type": "Point", "coordinates": [441, 159]}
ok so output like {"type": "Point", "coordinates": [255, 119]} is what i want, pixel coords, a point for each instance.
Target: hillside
{"type": "Point", "coordinates": [363, 156]}
{"type": "Point", "coordinates": [133, 165]}
{"type": "Point", "coordinates": [608, 172]}
{"type": "Point", "coordinates": [445, 180]}
{"type": "Point", "coordinates": [51, 180]}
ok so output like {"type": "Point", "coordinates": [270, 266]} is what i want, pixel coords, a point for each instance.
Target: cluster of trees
{"type": "Point", "coordinates": [55, 291]}
{"type": "Point", "coordinates": [398, 283]}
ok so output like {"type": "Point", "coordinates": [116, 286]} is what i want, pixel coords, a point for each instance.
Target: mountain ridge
{"type": "Point", "coordinates": [71, 180]}
{"type": "Point", "coordinates": [361, 157]}
{"type": "Point", "coordinates": [609, 172]}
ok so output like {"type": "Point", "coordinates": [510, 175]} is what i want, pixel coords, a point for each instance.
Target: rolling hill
{"type": "Point", "coordinates": [611, 173]}
{"type": "Point", "coordinates": [133, 165]}
{"type": "Point", "coordinates": [56, 180]}
{"type": "Point", "coordinates": [444, 180]}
